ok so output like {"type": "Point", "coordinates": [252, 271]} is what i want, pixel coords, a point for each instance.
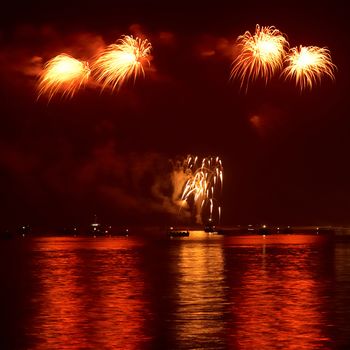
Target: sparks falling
{"type": "Point", "coordinates": [260, 55]}
{"type": "Point", "coordinates": [121, 61]}
{"type": "Point", "coordinates": [203, 187]}
{"type": "Point", "coordinates": [63, 75]}
{"type": "Point", "coordinates": [307, 65]}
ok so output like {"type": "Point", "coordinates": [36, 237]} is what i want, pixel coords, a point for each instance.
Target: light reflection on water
{"type": "Point", "coordinates": [281, 304]}
{"type": "Point", "coordinates": [199, 315]}
{"type": "Point", "coordinates": [91, 295]}
{"type": "Point", "coordinates": [201, 292]}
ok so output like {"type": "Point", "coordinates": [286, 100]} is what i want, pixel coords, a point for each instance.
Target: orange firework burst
{"type": "Point", "coordinates": [307, 65]}
{"type": "Point", "coordinates": [260, 54]}
{"type": "Point", "coordinates": [202, 186]}
{"type": "Point", "coordinates": [120, 61]}
{"type": "Point", "coordinates": [63, 74]}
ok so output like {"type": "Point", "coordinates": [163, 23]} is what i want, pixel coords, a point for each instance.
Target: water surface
{"type": "Point", "coordinates": [201, 292]}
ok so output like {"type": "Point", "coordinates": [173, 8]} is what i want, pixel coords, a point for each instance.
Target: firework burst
{"type": "Point", "coordinates": [63, 75]}
{"type": "Point", "coordinates": [121, 61]}
{"type": "Point", "coordinates": [260, 55]}
{"type": "Point", "coordinates": [307, 65]}
{"type": "Point", "coordinates": [203, 185]}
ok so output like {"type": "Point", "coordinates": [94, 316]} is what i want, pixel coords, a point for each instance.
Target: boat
{"type": "Point", "coordinates": [210, 227]}
{"type": "Point", "coordinates": [263, 230]}
{"type": "Point", "coordinates": [175, 233]}
{"type": "Point", "coordinates": [325, 231]}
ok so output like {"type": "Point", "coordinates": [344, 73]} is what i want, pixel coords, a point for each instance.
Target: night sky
{"type": "Point", "coordinates": [285, 153]}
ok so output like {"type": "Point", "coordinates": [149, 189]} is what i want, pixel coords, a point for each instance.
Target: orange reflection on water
{"type": "Point", "coordinates": [91, 295]}
{"type": "Point", "coordinates": [200, 294]}
{"type": "Point", "coordinates": [281, 301]}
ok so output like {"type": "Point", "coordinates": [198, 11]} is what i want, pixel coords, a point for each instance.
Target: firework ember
{"type": "Point", "coordinates": [203, 186]}
{"type": "Point", "coordinates": [121, 61]}
{"type": "Point", "coordinates": [260, 55]}
{"type": "Point", "coordinates": [307, 65]}
{"type": "Point", "coordinates": [63, 75]}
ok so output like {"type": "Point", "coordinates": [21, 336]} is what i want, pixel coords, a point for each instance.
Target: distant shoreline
{"type": "Point", "coordinates": [338, 232]}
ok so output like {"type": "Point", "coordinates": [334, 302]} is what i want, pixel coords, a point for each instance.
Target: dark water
{"type": "Point", "coordinates": [201, 292]}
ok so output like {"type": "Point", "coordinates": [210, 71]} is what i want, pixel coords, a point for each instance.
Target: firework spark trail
{"type": "Point", "coordinates": [121, 61]}
{"type": "Point", "coordinates": [63, 74]}
{"type": "Point", "coordinates": [202, 185]}
{"type": "Point", "coordinates": [307, 65]}
{"type": "Point", "coordinates": [260, 55]}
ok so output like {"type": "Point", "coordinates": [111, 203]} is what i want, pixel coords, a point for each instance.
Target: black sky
{"type": "Point", "coordinates": [285, 153]}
